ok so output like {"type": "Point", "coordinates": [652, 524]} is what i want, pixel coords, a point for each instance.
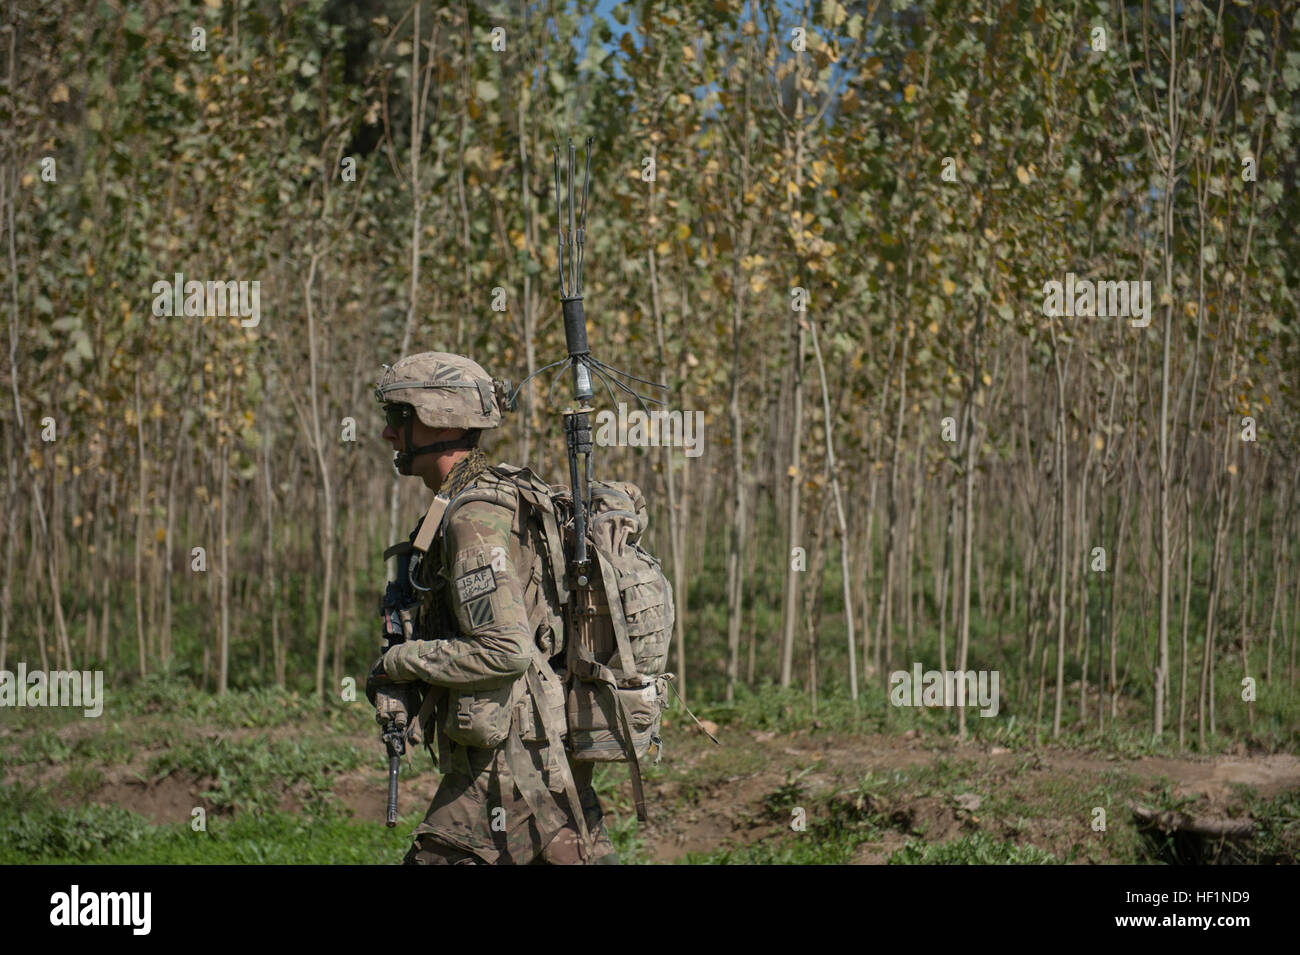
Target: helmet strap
{"type": "Point", "coordinates": [404, 459]}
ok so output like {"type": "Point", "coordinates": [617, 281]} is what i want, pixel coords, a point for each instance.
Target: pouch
{"type": "Point", "coordinates": [481, 718]}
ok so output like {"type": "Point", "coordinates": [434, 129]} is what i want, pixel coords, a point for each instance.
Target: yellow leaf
{"type": "Point", "coordinates": [663, 247]}
{"type": "Point", "coordinates": [1232, 469]}
{"type": "Point", "coordinates": [791, 471]}
{"type": "Point", "coordinates": [1023, 175]}
{"type": "Point", "coordinates": [909, 92]}
{"type": "Point", "coordinates": [949, 286]}
{"type": "Point", "coordinates": [987, 379]}
{"type": "Point", "coordinates": [683, 231]}
{"type": "Point", "coordinates": [160, 535]}
{"type": "Point", "coordinates": [60, 94]}
{"type": "Point", "coordinates": [1098, 443]}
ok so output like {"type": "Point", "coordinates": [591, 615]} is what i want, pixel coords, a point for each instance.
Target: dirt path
{"type": "Point", "coordinates": [729, 808]}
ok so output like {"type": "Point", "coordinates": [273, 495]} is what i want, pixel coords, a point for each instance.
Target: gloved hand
{"type": "Point", "coordinates": [377, 680]}
{"type": "Point", "coordinates": [399, 702]}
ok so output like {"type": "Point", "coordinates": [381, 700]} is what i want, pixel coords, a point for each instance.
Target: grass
{"type": "Point", "coordinates": [276, 742]}
{"type": "Point", "coordinates": [253, 775]}
{"type": "Point", "coordinates": [36, 832]}
{"type": "Point", "coordinates": [978, 848]}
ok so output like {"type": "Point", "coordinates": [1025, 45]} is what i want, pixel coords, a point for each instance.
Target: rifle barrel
{"type": "Point", "coordinates": [394, 763]}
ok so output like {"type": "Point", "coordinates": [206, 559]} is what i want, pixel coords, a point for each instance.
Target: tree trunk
{"type": "Point", "coordinates": [839, 516]}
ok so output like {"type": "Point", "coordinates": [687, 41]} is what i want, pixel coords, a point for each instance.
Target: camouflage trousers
{"type": "Point", "coordinates": [482, 817]}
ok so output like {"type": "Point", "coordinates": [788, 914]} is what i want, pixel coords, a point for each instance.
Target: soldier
{"type": "Point", "coordinates": [475, 674]}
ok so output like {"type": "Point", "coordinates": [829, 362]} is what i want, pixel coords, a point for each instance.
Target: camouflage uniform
{"type": "Point", "coordinates": [485, 630]}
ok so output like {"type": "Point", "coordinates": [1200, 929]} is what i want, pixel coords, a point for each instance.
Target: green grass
{"type": "Point", "coordinates": [115, 836]}
{"type": "Point", "coordinates": [37, 831]}
{"type": "Point", "coordinates": [978, 848]}
{"type": "Point", "coordinates": [252, 775]}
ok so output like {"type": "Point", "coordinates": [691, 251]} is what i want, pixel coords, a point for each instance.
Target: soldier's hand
{"type": "Point", "coordinates": [378, 681]}
{"type": "Point", "coordinates": [393, 705]}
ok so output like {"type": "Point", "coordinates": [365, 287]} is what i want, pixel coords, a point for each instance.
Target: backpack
{"type": "Point", "coordinates": [614, 680]}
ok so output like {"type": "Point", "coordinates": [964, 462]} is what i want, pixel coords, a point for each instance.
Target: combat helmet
{"type": "Point", "coordinates": [445, 391]}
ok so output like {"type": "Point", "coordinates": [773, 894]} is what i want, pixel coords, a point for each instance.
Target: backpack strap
{"type": "Point", "coordinates": [532, 787]}
{"type": "Point", "coordinates": [627, 671]}
{"type": "Point", "coordinates": [554, 740]}
{"type": "Point", "coordinates": [594, 672]}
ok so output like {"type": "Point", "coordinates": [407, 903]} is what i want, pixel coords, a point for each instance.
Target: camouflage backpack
{"type": "Point", "coordinates": [615, 684]}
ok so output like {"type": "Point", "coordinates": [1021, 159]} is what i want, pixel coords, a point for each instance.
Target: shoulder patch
{"type": "Point", "coordinates": [480, 613]}
{"type": "Point", "coordinates": [475, 583]}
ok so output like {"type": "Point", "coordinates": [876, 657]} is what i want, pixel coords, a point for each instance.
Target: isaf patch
{"type": "Point", "coordinates": [479, 612]}
{"type": "Point", "coordinates": [476, 583]}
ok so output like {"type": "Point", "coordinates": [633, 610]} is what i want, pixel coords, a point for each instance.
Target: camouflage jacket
{"type": "Point", "coordinates": [488, 614]}
{"type": "Point", "coordinates": [488, 625]}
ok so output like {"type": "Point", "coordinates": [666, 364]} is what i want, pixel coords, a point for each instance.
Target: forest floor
{"type": "Point", "coordinates": [278, 782]}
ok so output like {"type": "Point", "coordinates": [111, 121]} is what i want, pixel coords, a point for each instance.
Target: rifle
{"type": "Point", "coordinates": [398, 602]}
